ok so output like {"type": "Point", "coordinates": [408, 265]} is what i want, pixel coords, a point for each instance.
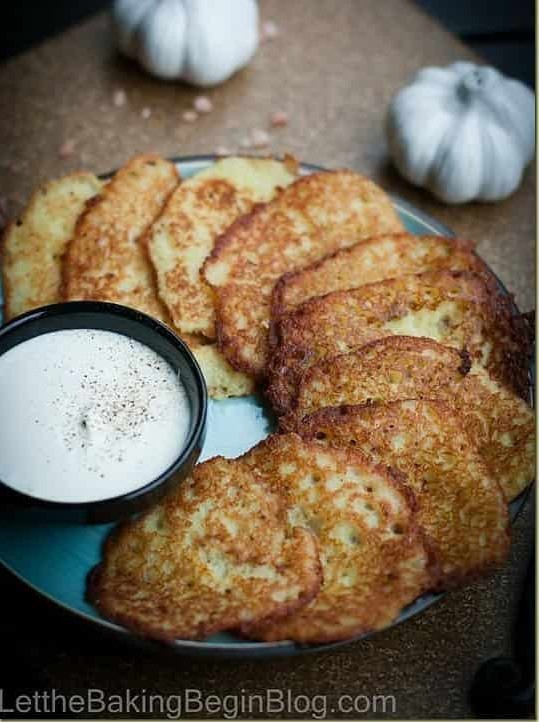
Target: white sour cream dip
{"type": "Point", "coordinates": [88, 414]}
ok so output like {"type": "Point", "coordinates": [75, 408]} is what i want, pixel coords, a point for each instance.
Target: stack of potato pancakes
{"type": "Point", "coordinates": [395, 365]}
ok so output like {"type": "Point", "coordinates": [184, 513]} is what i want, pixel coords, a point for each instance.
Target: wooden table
{"type": "Point", "coordinates": [333, 68]}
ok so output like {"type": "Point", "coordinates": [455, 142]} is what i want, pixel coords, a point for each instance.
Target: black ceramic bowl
{"type": "Point", "coordinates": [143, 328]}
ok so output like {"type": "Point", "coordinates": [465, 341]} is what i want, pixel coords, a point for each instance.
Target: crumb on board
{"type": "Point", "coordinates": [67, 148]}
{"type": "Point", "coordinates": [119, 98]}
{"type": "Point", "coordinates": [259, 138]}
{"type": "Point", "coordinates": [269, 30]}
{"type": "Point", "coordinates": [278, 119]}
{"type": "Point", "coordinates": [256, 138]}
{"type": "Point", "coordinates": [189, 116]}
{"type": "Point", "coordinates": [203, 104]}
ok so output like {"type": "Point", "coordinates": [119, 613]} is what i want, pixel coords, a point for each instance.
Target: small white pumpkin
{"type": "Point", "coordinates": [465, 132]}
{"type": "Point", "coordinates": [203, 42]}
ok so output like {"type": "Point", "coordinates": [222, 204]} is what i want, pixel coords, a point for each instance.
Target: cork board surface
{"type": "Point", "coordinates": [333, 68]}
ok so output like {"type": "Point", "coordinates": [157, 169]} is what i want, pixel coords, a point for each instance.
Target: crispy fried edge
{"type": "Point", "coordinates": [292, 166]}
{"type": "Point", "coordinates": [291, 419]}
{"type": "Point", "coordinates": [6, 306]}
{"type": "Point", "coordinates": [278, 306]}
{"type": "Point", "coordinates": [228, 344]}
{"type": "Point", "coordinates": [513, 371]}
{"type": "Point", "coordinates": [96, 200]}
{"type": "Point", "coordinates": [130, 621]}
{"type": "Point", "coordinates": [396, 479]}
{"type": "Point", "coordinates": [335, 415]}
{"type": "Point", "coordinates": [147, 630]}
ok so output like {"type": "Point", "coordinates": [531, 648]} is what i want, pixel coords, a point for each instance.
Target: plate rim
{"type": "Point", "coordinates": [233, 649]}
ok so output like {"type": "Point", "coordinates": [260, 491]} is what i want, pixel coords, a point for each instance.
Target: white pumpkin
{"type": "Point", "coordinates": [465, 132]}
{"type": "Point", "coordinates": [203, 42]}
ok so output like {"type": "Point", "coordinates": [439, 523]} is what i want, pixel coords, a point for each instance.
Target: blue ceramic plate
{"type": "Point", "coordinates": [54, 559]}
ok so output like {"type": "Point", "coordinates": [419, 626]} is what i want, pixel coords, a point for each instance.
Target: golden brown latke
{"type": "Point", "coordinates": [373, 558]}
{"type": "Point", "coordinates": [314, 216]}
{"type": "Point", "coordinates": [197, 212]}
{"type": "Point", "coordinates": [376, 259]}
{"type": "Point", "coordinates": [33, 245]}
{"type": "Point", "coordinates": [456, 308]}
{"type": "Point", "coordinates": [392, 368]}
{"type": "Point", "coordinates": [501, 425]}
{"type": "Point", "coordinates": [221, 551]}
{"type": "Point", "coordinates": [221, 379]}
{"type": "Point", "coordinates": [460, 506]}
{"type": "Point", "coordinates": [395, 368]}
{"type": "Point", "coordinates": [106, 259]}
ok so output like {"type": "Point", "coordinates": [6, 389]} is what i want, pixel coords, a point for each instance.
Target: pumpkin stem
{"type": "Point", "coordinates": [476, 81]}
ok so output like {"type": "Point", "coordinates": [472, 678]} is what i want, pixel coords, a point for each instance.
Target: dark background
{"type": "Point", "coordinates": [502, 31]}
